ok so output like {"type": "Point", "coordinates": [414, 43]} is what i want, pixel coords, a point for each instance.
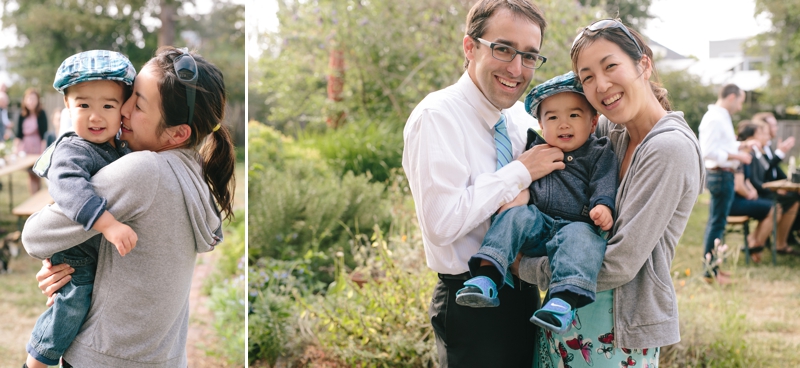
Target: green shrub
{"type": "Point", "coordinates": [297, 204]}
{"type": "Point", "coordinates": [273, 284]}
{"type": "Point", "coordinates": [228, 304]}
{"type": "Point", "coordinates": [362, 147]}
{"type": "Point", "coordinates": [377, 314]}
{"type": "Point", "coordinates": [226, 289]}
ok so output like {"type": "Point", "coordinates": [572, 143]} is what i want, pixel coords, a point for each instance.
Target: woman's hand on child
{"type": "Point", "coordinates": [601, 215]}
{"type": "Point", "coordinates": [51, 278]}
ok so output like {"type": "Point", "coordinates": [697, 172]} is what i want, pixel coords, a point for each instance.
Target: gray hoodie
{"type": "Point", "coordinates": [140, 305]}
{"type": "Point", "coordinates": [654, 201]}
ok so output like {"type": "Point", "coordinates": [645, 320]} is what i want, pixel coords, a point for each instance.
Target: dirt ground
{"type": "Point", "coordinates": [22, 303]}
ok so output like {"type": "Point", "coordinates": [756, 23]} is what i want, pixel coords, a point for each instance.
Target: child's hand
{"type": "Point", "coordinates": [601, 215]}
{"type": "Point", "coordinates": [122, 236]}
{"type": "Point", "coordinates": [119, 234]}
{"type": "Point", "coordinates": [521, 200]}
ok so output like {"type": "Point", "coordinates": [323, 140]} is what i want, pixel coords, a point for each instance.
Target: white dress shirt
{"type": "Point", "coordinates": [450, 160]}
{"type": "Point", "coordinates": [717, 139]}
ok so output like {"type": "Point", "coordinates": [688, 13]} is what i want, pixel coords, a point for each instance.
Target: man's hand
{"type": "Point", "coordinates": [541, 160]}
{"type": "Point", "coordinates": [601, 215]}
{"type": "Point", "coordinates": [521, 200]}
{"type": "Point", "coordinates": [786, 145]}
{"type": "Point", "coordinates": [51, 278]}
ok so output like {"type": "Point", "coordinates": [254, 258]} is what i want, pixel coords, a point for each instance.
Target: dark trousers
{"type": "Point", "coordinates": [484, 337]}
{"type": "Point", "coordinates": [720, 185]}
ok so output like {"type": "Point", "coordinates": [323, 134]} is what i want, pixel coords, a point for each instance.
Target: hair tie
{"type": "Point", "coordinates": [216, 127]}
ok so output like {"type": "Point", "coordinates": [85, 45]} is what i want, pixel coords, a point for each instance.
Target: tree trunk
{"type": "Point", "coordinates": [166, 35]}
{"type": "Point", "coordinates": [335, 116]}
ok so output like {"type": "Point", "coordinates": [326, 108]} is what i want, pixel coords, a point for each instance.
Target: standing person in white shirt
{"type": "Point", "coordinates": [722, 155]}
{"type": "Point", "coordinates": [451, 160]}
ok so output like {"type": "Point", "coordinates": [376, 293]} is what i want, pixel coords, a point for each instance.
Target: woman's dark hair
{"type": "Point", "coordinates": [217, 151]}
{"type": "Point", "coordinates": [748, 128]}
{"type": "Point", "coordinates": [483, 10]}
{"type": "Point", "coordinates": [617, 36]}
{"type": "Point", "coordinates": [25, 111]}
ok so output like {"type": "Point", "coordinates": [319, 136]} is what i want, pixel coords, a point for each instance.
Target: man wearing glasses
{"type": "Point", "coordinates": [464, 159]}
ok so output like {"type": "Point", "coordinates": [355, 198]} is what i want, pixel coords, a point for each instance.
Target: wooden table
{"type": "Point", "coordinates": [20, 163]}
{"type": "Point", "coordinates": [783, 184]}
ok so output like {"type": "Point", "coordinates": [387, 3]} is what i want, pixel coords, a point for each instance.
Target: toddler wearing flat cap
{"type": "Point", "coordinates": [95, 85]}
{"type": "Point", "coordinates": [563, 216]}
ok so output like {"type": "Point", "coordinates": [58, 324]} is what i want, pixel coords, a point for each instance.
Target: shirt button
{"type": "Point", "coordinates": [520, 186]}
{"type": "Point", "coordinates": [569, 158]}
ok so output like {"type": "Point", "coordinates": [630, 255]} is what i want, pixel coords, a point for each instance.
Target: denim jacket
{"type": "Point", "coordinates": [69, 164]}
{"type": "Point", "coordinates": [588, 179]}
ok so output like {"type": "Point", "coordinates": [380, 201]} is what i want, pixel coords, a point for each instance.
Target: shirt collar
{"type": "Point", "coordinates": [720, 110]}
{"type": "Point", "coordinates": [486, 111]}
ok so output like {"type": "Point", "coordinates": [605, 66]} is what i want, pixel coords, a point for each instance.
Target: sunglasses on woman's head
{"type": "Point", "coordinates": [186, 71]}
{"type": "Point", "coordinates": [603, 24]}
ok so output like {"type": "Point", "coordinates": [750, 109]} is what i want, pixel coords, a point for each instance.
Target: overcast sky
{"type": "Point", "coordinates": [685, 26]}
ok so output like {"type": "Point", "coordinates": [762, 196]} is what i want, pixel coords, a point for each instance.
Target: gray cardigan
{"type": "Point", "coordinates": [654, 201]}
{"type": "Point", "coordinates": [139, 314]}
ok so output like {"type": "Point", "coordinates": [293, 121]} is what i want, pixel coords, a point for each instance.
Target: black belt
{"type": "Point", "coordinates": [519, 284]}
{"type": "Point", "coordinates": [725, 169]}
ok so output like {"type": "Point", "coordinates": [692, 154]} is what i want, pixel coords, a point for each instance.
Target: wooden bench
{"type": "Point", "coordinates": [31, 205]}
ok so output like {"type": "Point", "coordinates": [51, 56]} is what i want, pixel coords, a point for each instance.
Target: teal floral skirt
{"type": "Point", "coordinates": [589, 343]}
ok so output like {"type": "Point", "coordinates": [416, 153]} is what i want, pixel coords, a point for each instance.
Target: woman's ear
{"type": "Point", "coordinates": [178, 135]}
{"type": "Point", "coordinates": [647, 66]}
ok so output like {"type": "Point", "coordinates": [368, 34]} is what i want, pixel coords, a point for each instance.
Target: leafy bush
{"type": "Point", "coordinates": [228, 303]}
{"type": "Point", "coordinates": [271, 333]}
{"type": "Point", "coordinates": [361, 147]}
{"type": "Point", "coordinates": [377, 314]}
{"type": "Point", "coordinates": [298, 204]}
{"type": "Point", "coordinates": [227, 292]}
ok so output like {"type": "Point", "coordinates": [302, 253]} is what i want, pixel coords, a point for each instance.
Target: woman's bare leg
{"type": "Point", "coordinates": [785, 223]}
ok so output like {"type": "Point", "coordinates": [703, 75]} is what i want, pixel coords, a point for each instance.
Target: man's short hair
{"type": "Point", "coordinates": [729, 89]}
{"type": "Point", "coordinates": [763, 116]}
{"type": "Point", "coordinates": [481, 11]}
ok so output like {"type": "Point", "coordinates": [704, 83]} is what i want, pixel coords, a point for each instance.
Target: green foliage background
{"type": "Point", "coordinates": [783, 51]}
{"type": "Point", "coordinates": [49, 31]}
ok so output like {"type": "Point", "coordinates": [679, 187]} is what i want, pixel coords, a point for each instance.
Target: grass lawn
{"type": "Point", "coordinates": [753, 322]}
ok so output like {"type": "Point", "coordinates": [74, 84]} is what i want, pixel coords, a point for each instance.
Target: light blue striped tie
{"type": "Point", "coordinates": [502, 143]}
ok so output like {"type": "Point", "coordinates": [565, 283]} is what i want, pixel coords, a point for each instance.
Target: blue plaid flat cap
{"type": "Point", "coordinates": [94, 65]}
{"type": "Point", "coordinates": [562, 83]}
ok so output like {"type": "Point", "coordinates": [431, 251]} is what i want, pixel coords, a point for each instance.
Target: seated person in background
{"type": "Point", "coordinates": [761, 172]}
{"type": "Point", "coordinates": [746, 200]}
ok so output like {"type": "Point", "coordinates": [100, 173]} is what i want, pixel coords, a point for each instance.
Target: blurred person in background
{"type": "Point", "coordinates": [722, 154]}
{"type": "Point", "coordinates": [747, 200]}
{"type": "Point", "coordinates": [5, 124]}
{"type": "Point", "coordinates": [761, 169]}
{"type": "Point", "coordinates": [50, 136]}
{"type": "Point", "coordinates": [31, 126]}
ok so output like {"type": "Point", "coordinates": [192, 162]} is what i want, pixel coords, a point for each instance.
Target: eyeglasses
{"type": "Point", "coordinates": [603, 24]}
{"type": "Point", "coordinates": [186, 70]}
{"type": "Point", "coordinates": [507, 53]}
